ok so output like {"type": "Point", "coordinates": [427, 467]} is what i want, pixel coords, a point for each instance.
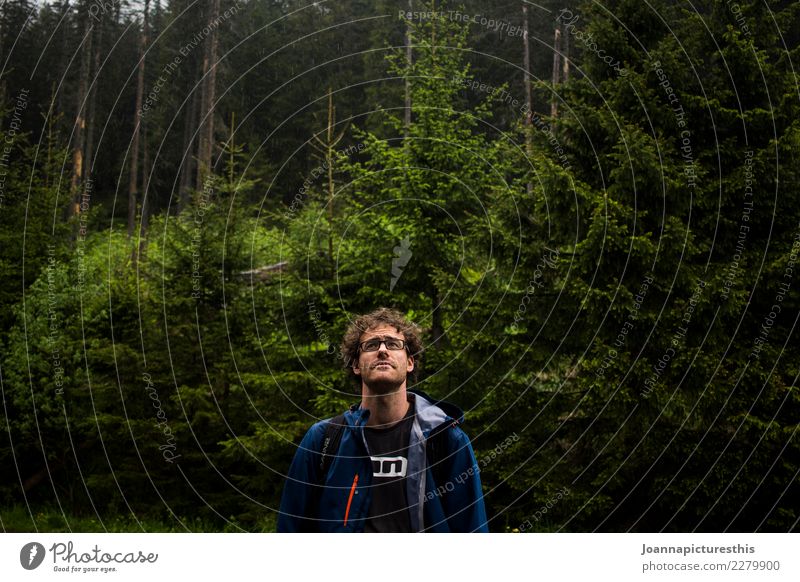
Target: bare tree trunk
{"type": "Point", "coordinates": [133, 184]}
{"type": "Point", "coordinates": [202, 119]}
{"type": "Point", "coordinates": [49, 121]}
{"type": "Point", "coordinates": [188, 150]}
{"type": "Point", "coordinates": [212, 85]}
{"type": "Point", "coordinates": [146, 199]}
{"type": "Point", "coordinates": [433, 37]}
{"type": "Point", "coordinates": [63, 58]}
{"type": "Point", "coordinates": [565, 58]}
{"type": "Point", "coordinates": [146, 169]}
{"type": "Point", "coordinates": [526, 60]}
{"type": "Point", "coordinates": [90, 115]}
{"type": "Point", "coordinates": [3, 34]}
{"type": "Point", "coordinates": [331, 189]}
{"type": "Point", "coordinates": [232, 158]}
{"type": "Point", "coordinates": [327, 149]}
{"type": "Point", "coordinates": [437, 325]}
{"type": "Point", "coordinates": [78, 151]}
{"type": "Point", "coordinates": [556, 70]}
{"type": "Point", "coordinates": [410, 59]}
{"type": "Point", "coordinates": [206, 145]}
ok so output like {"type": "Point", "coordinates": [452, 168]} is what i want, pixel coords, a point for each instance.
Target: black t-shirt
{"type": "Point", "coordinates": [388, 449]}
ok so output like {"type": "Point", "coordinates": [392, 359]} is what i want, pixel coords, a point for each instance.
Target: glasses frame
{"type": "Point", "coordinates": [383, 340]}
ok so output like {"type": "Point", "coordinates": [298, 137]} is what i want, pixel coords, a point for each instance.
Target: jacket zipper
{"type": "Point", "coordinates": [350, 499]}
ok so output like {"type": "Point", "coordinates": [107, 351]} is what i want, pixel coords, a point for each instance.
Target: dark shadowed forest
{"type": "Point", "coordinates": [591, 208]}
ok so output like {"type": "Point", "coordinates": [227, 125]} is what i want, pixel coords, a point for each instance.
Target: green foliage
{"type": "Point", "coordinates": [575, 278]}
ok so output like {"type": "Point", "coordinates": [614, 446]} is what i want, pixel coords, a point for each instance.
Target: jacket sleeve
{"type": "Point", "coordinates": [464, 506]}
{"type": "Point", "coordinates": [301, 492]}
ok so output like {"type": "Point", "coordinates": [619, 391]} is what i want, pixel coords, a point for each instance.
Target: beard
{"type": "Point", "coordinates": [383, 385]}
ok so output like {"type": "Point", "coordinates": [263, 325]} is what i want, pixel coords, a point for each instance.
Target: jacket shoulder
{"type": "Point", "coordinates": [456, 439]}
{"type": "Point", "coordinates": [312, 440]}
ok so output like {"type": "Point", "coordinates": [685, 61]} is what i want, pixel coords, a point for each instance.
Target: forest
{"type": "Point", "coordinates": [591, 208]}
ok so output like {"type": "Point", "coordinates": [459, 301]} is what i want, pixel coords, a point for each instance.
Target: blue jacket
{"type": "Point", "coordinates": [342, 503]}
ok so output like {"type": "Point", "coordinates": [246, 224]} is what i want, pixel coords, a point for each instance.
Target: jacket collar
{"type": "Point", "coordinates": [431, 414]}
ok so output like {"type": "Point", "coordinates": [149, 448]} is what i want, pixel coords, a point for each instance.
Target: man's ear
{"type": "Point", "coordinates": [410, 364]}
{"type": "Point", "coordinates": [356, 368]}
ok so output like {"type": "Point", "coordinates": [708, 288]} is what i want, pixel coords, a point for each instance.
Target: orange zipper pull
{"type": "Point", "coordinates": [350, 499]}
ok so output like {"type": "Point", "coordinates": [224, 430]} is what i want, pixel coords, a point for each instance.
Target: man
{"type": "Point", "coordinates": [402, 464]}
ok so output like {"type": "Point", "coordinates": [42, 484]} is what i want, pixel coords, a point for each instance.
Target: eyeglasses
{"type": "Point", "coordinates": [374, 344]}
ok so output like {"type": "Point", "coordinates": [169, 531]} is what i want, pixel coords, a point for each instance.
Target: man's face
{"type": "Point", "coordinates": [383, 370]}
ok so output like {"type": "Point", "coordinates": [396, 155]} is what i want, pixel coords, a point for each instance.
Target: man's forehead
{"type": "Point", "coordinates": [381, 330]}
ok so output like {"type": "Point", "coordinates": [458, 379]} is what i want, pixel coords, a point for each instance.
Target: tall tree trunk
{"type": "Point", "coordinates": [148, 195]}
{"type": "Point", "coordinates": [232, 152]}
{"type": "Point", "coordinates": [206, 144]}
{"type": "Point", "coordinates": [327, 148]}
{"type": "Point", "coordinates": [202, 119]}
{"type": "Point", "coordinates": [3, 34]}
{"type": "Point", "coordinates": [78, 151]}
{"type": "Point", "coordinates": [526, 60]}
{"type": "Point", "coordinates": [556, 70]}
{"type": "Point", "coordinates": [49, 121]}
{"type": "Point", "coordinates": [63, 60]}
{"type": "Point", "coordinates": [565, 58]}
{"type": "Point", "coordinates": [90, 115]}
{"type": "Point", "coordinates": [437, 325]}
{"type": "Point", "coordinates": [331, 188]}
{"type": "Point", "coordinates": [133, 183]}
{"type": "Point", "coordinates": [409, 59]}
{"type": "Point", "coordinates": [188, 151]}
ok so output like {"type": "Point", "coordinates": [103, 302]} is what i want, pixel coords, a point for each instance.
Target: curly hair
{"type": "Point", "coordinates": [381, 316]}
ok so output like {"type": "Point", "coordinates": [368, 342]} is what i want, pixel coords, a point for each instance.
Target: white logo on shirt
{"type": "Point", "coordinates": [389, 466]}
